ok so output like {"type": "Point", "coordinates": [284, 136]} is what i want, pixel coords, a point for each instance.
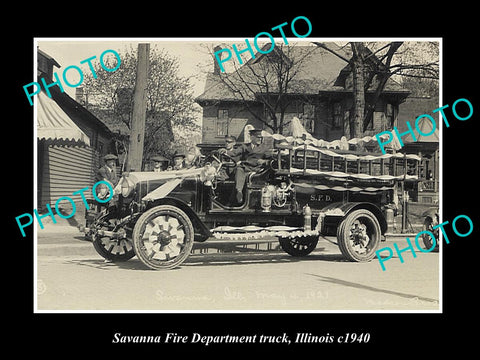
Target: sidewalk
{"type": "Point", "coordinates": [62, 225]}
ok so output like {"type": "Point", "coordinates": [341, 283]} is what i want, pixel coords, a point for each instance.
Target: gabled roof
{"type": "Point", "coordinates": [320, 68]}
{"type": "Point", "coordinates": [48, 57]}
{"type": "Point", "coordinates": [390, 86]}
{"type": "Point", "coordinates": [320, 71]}
{"type": "Point", "coordinates": [77, 111]}
{"type": "Point", "coordinates": [71, 107]}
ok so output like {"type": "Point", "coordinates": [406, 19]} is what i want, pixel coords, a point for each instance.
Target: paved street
{"type": "Point", "coordinates": [71, 276]}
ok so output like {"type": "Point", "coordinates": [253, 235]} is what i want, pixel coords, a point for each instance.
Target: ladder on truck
{"type": "Point", "coordinates": [308, 159]}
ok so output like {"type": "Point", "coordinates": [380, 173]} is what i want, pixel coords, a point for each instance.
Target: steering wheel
{"type": "Point", "coordinates": [220, 159]}
{"type": "Point", "coordinates": [230, 163]}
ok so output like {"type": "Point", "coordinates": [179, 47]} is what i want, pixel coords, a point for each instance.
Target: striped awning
{"type": "Point", "coordinates": [54, 124]}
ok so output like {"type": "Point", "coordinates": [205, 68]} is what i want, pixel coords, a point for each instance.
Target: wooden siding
{"type": "Point", "coordinates": [66, 169]}
{"type": "Point", "coordinates": [238, 117]}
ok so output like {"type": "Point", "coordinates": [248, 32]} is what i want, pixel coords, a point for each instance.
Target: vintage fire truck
{"type": "Point", "coordinates": [305, 191]}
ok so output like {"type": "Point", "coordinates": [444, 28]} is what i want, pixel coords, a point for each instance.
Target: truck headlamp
{"type": "Point", "coordinates": [126, 187]}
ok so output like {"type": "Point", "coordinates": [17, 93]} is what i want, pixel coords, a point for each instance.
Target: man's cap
{"type": "Point", "coordinates": [178, 153]}
{"type": "Point", "coordinates": [230, 138]}
{"type": "Point", "coordinates": [159, 158]}
{"type": "Point", "coordinates": [256, 132]}
{"type": "Point", "coordinates": [110, 157]}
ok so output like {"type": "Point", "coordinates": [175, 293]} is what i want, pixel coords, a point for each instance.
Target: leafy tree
{"type": "Point", "coordinates": [371, 65]}
{"type": "Point", "coordinates": [169, 99]}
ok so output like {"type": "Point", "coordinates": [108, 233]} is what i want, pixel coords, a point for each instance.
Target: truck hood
{"type": "Point", "coordinates": [160, 184]}
{"type": "Point", "coordinates": [136, 177]}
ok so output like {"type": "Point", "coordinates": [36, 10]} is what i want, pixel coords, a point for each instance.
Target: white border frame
{"type": "Point", "coordinates": [217, 39]}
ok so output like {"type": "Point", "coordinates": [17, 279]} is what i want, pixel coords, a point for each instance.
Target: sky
{"type": "Point", "coordinates": [193, 58]}
{"type": "Point", "coordinates": [190, 55]}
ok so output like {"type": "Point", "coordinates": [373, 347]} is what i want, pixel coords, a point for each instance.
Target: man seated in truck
{"type": "Point", "coordinates": [252, 157]}
{"type": "Point", "coordinates": [228, 172]}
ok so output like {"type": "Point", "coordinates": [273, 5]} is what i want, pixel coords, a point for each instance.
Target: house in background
{"type": "Point", "coordinates": [427, 147]}
{"type": "Point", "coordinates": [320, 95]}
{"type": "Point", "coordinates": [70, 142]}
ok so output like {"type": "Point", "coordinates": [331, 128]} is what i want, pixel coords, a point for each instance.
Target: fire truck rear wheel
{"type": "Point", "coordinates": [358, 235]}
{"type": "Point", "coordinates": [298, 246]}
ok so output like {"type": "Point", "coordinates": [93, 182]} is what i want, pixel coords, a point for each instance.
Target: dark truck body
{"type": "Point", "coordinates": [304, 192]}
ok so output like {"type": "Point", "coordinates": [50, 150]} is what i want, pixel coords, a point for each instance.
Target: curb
{"type": "Point", "coordinates": [56, 230]}
{"type": "Point", "coordinates": [84, 249]}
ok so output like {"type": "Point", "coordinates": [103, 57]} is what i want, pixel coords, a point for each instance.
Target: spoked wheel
{"type": "Point", "coordinates": [113, 249]}
{"type": "Point", "coordinates": [427, 239]}
{"type": "Point", "coordinates": [163, 237]}
{"type": "Point", "coordinates": [359, 235]}
{"type": "Point", "coordinates": [298, 246]}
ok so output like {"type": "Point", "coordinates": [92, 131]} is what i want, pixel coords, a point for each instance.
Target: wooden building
{"type": "Point", "coordinates": [70, 142]}
{"type": "Point", "coordinates": [427, 147]}
{"type": "Point", "coordinates": [320, 95]}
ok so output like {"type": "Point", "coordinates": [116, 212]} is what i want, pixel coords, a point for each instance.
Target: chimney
{"type": "Point", "coordinates": [125, 98]}
{"type": "Point", "coordinates": [216, 66]}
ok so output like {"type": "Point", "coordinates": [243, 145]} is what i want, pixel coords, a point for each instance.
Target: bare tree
{"type": "Point", "coordinates": [375, 68]}
{"type": "Point", "coordinates": [358, 69]}
{"type": "Point", "coordinates": [267, 80]}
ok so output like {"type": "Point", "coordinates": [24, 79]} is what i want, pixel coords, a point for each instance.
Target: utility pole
{"type": "Point", "coordinates": [137, 133]}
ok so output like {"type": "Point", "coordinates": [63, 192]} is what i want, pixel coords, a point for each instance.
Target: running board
{"type": "Point", "coordinates": [256, 232]}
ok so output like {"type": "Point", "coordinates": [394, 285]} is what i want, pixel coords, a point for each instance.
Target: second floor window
{"type": "Point", "coordinates": [222, 128]}
{"type": "Point", "coordinates": [337, 116]}
{"type": "Point", "coordinates": [389, 113]}
{"type": "Point", "coordinates": [369, 123]}
{"type": "Point", "coordinates": [223, 114]}
{"type": "Point", "coordinates": [222, 122]}
{"type": "Point", "coordinates": [309, 117]}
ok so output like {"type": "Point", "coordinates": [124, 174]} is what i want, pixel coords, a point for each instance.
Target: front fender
{"type": "Point", "coordinates": [339, 210]}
